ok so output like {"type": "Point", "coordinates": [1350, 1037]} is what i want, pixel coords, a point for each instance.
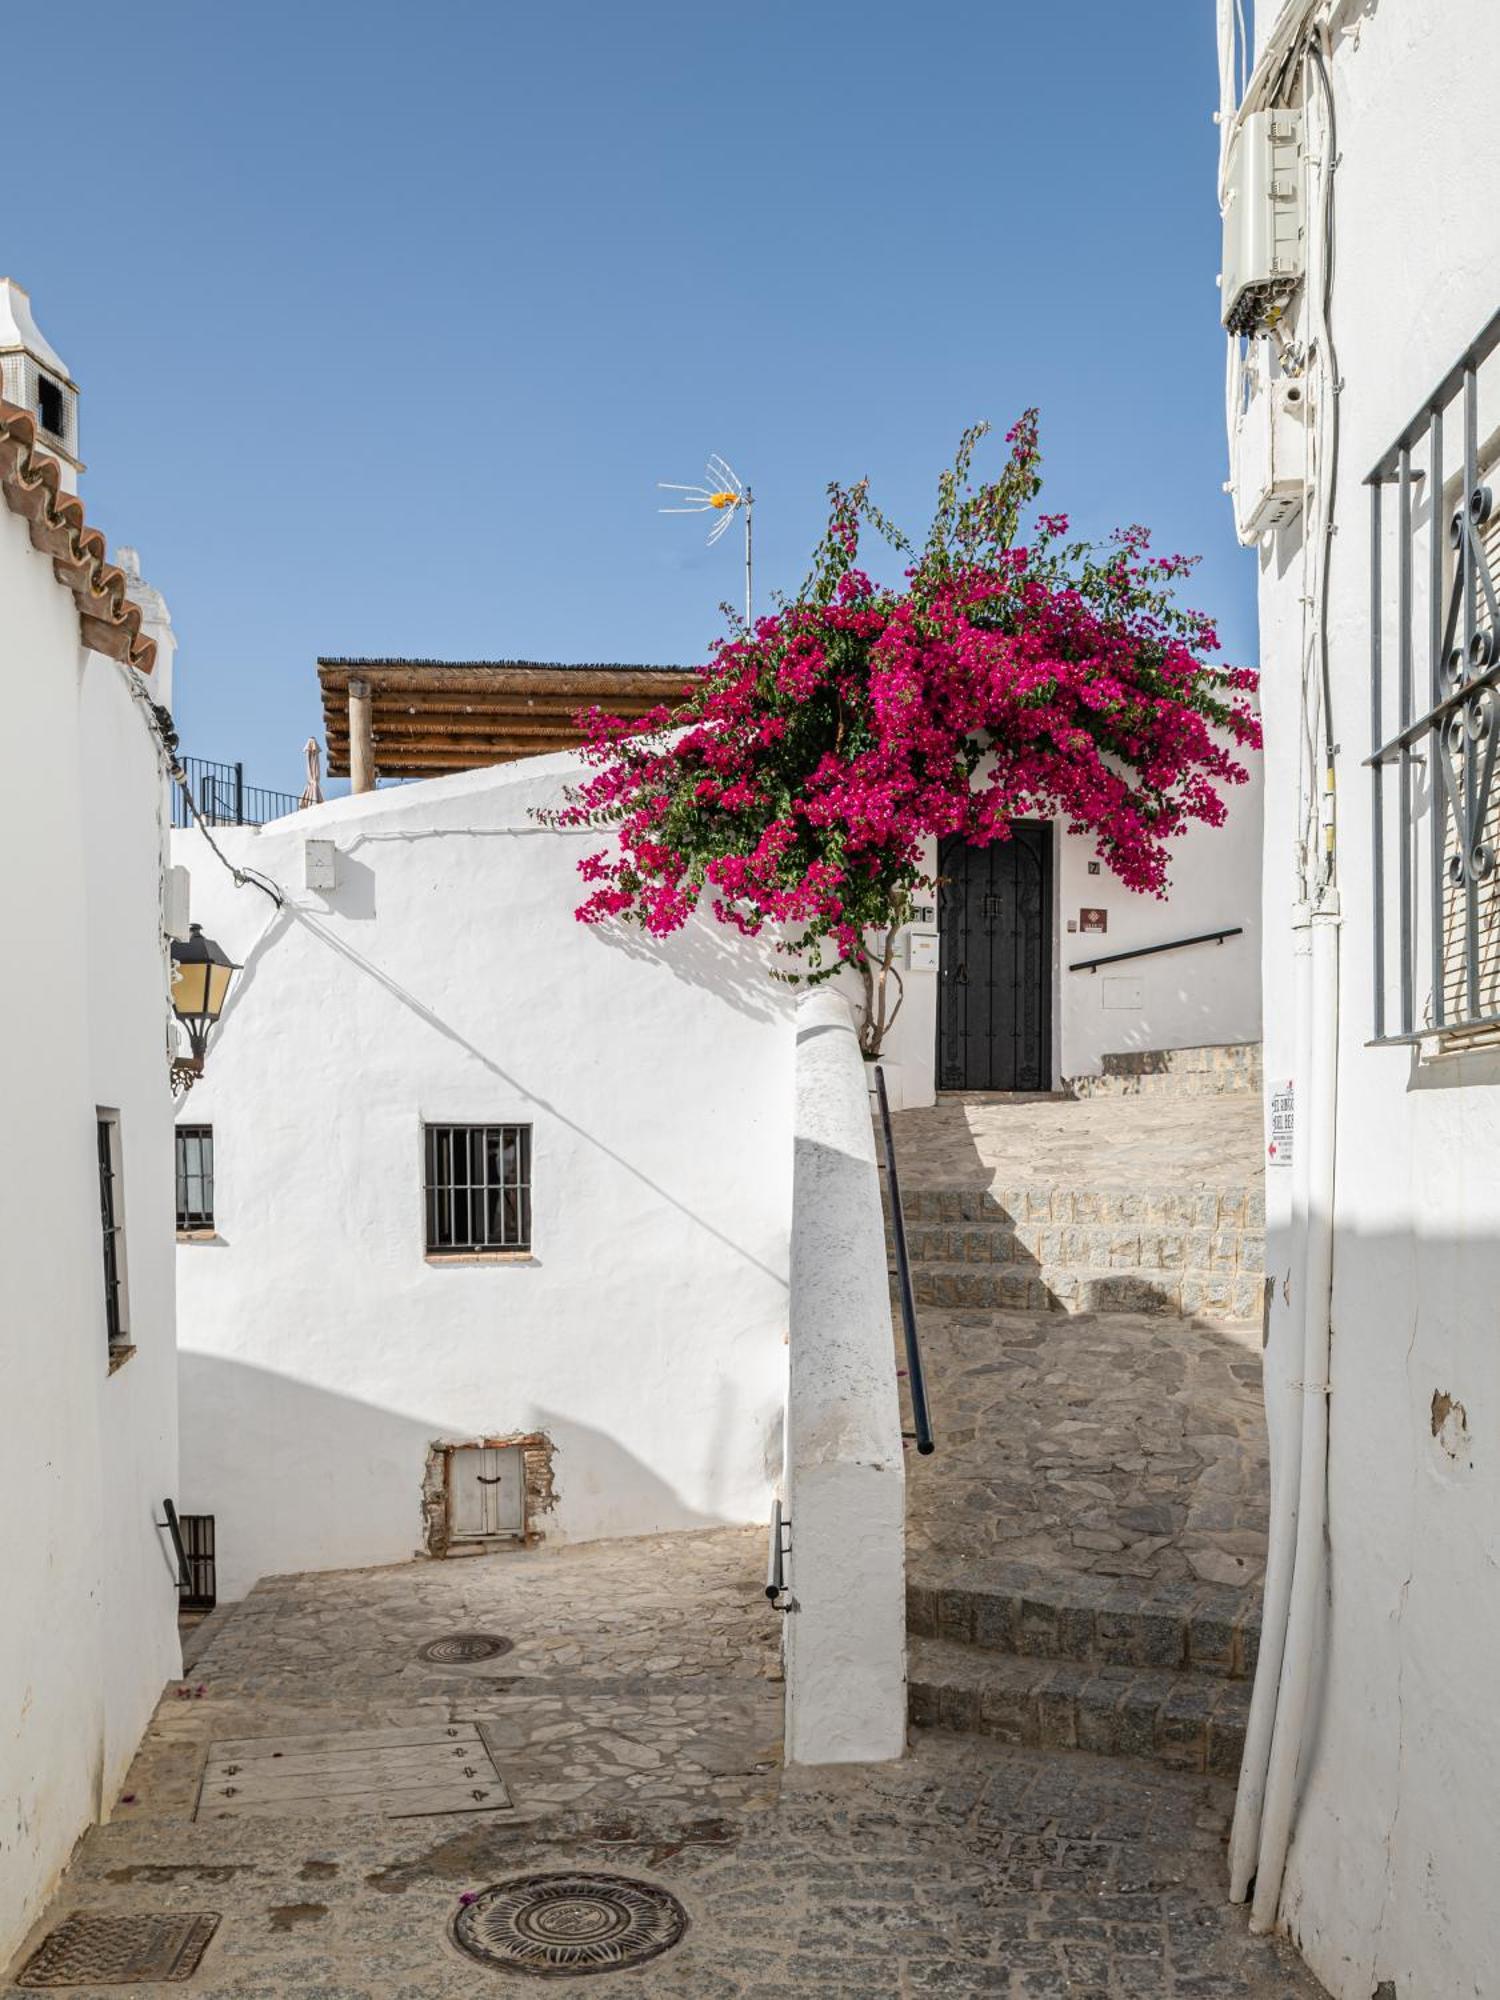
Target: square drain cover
{"type": "Point", "coordinates": [91, 1950]}
{"type": "Point", "coordinates": [397, 1773]}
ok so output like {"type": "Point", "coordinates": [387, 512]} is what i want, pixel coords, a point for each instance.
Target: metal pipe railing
{"type": "Point", "coordinates": [224, 799]}
{"type": "Point", "coordinates": [916, 1381]}
{"type": "Point", "coordinates": [1150, 950]}
{"type": "Point", "coordinates": [184, 1573]}
{"type": "Point", "coordinates": [776, 1555]}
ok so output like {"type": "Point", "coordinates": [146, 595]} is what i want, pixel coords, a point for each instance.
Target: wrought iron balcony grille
{"type": "Point", "coordinates": [224, 799]}
{"type": "Point", "coordinates": [1437, 530]}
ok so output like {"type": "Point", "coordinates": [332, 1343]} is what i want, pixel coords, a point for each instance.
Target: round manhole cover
{"type": "Point", "coordinates": [462, 1649]}
{"type": "Point", "coordinates": [562, 1926]}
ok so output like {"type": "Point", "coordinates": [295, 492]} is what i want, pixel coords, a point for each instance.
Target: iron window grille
{"type": "Point", "coordinates": [477, 1188]}
{"type": "Point", "coordinates": [195, 1178]}
{"type": "Point", "coordinates": [110, 1218]}
{"type": "Point", "coordinates": [1435, 603]}
{"type": "Point", "coordinates": [201, 1591]}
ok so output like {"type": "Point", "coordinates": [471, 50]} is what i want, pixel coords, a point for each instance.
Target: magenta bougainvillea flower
{"type": "Point", "coordinates": [824, 748]}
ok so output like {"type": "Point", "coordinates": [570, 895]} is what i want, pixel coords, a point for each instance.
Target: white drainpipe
{"type": "Point", "coordinates": [1293, 1683]}
{"type": "Point", "coordinates": [1244, 1841]}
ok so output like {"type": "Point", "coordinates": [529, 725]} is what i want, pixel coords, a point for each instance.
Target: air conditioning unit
{"type": "Point", "coordinates": [1270, 457]}
{"type": "Point", "coordinates": [1264, 219]}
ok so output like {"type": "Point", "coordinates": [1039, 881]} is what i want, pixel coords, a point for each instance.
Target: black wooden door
{"type": "Point", "coordinates": [995, 991]}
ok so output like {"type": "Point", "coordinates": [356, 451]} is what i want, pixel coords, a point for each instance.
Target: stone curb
{"type": "Point", "coordinates": [1205, 1628]}
{"type": "Point", "coordinates": [1188, 1722]}
{"type": "Point", "coordinates": [1021, 1289]}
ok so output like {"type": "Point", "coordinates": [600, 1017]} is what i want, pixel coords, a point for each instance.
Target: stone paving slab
{"type": "Point", "coordinates": [641, 1739]}
{"type": "Point", "coordinates": [1124, 1445]}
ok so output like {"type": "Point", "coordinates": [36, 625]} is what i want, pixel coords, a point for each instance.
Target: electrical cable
{"type": "Point", "coordinates": [163, 733]}
{"type": "Point", "coordinates": [243, 877]}
{"type": "Point", "coordinates": [1330, 168]}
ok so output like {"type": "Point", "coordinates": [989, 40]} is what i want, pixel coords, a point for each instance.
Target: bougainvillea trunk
{"type": "Point", "coordinates": [825, 747]}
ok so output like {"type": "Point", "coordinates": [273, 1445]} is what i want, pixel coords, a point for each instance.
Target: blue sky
{"type": "Point", "coordinates": [388, 318]}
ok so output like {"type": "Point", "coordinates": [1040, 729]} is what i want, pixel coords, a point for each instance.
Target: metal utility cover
{"type": "Point", "coordinates": [465, 1649]}
{"type": "Point", "coordinates": [569, 1924]}
{"type": "Point", "coordinates": [94, 1950]}
{"type": "Point", "coordinates": [397, 1773]}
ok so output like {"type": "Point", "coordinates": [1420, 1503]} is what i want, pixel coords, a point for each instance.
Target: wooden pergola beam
{"type": "Point", "coordinates": [423, 718]}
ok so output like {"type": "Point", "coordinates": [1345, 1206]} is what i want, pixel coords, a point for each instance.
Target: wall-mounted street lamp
{"type": "Point", "coordinates": [201, 971]}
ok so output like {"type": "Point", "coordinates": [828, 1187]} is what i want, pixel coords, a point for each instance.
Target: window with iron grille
{"type": "Point", "coordinates": [195, 1179]}
{"type": "Point", "coordinates": [111, 1219]}
{"type": "Point", "coordinates": [1435, 713]}
{"type": "Point", "coordinates": [201, 1591]}
{"type": "Point", "coordinates": [477, 1188]}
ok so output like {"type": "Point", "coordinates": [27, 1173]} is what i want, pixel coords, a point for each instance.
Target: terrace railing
{"type": "Point", "coordinates": [224, 799]}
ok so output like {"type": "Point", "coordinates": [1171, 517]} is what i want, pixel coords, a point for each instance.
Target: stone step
{"type": "Point", "coordinates": [1090, 1246]}
{"type": "Point", "coordinates": [1227, 1070]}
{"type": "Point", "coordinates": [1190, 1722]}
{"type": "Point", "coordinates": [1205, 1295]}
{"type": "Point", "coordinates": [1091, 1620]}
{"type": "Point", "coordinates": [1232, 1206]}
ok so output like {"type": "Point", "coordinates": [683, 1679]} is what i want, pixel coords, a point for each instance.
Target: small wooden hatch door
{"type": "Point", "coordinates": [487, 1493]}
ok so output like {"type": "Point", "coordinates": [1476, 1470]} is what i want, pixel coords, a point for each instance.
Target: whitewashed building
{"type": "Point", "coordinates": [373, 1362]}
{"type": "Point", "coordinates": [495, 1242]}
{"type": "Point", "coordinates": [88, 1389]}
{"type": "Point", "coordinates": [1034, 967]}
{"type": "Point", "coordinates": [1361, 286]}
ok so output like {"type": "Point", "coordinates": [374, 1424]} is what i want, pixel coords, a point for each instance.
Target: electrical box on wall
{"type": "Point", "coordinates": [320, 864]}
{"type": "Point", "coordinates": [1270, 458]}
{"type": "Point", "coordinates": [1124, 994]}
{"type": "Point", "coordinates": [175, 903]}
{"type": "Point", "coordinates": [1264, 219]}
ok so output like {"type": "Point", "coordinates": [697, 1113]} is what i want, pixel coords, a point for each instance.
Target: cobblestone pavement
{"type": "Point", "coordinates": [1123, 1445]}
{"type": "Point", "coordinates": [636, 1723]}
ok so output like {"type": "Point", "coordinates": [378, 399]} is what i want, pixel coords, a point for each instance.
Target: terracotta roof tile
{"type": "Point", "coordinates": [109, 621]}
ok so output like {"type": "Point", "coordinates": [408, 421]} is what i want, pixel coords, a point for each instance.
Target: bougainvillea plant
{"type": "Point", "coordinates": [822, 750]}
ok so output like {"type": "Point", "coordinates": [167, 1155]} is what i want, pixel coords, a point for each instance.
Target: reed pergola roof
{"type": "Point", "coordinates": [433, 717]}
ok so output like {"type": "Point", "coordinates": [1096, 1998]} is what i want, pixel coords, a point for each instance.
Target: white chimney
{"type": "Point", "coordinates": [34, 375]}
{"type": "Point", "coordinates": [156, 622]}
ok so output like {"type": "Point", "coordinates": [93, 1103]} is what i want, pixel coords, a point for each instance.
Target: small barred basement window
{"type": "Point", "coordinates": [195, 1179]}
{"type": "Point", "coordinates": [477, 1189]}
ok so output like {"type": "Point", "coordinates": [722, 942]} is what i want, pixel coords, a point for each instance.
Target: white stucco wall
{"type": "Point", "coordinates": [1393, 1863]}
{"type": "Point", "coordinates": [844, 1487]}
{"type": "Point", "coordinates": [446, 979]}
{"type": "Point", "coordinates": [1207, 994]}
{"type": "Point", "coordinates": [88, 1635]}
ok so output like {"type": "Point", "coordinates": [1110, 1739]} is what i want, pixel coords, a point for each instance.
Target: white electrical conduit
{"type": "Point", "coordinates": [1309, 1572]}
{"type": "Point", "coordinates": [1295, 1589]}
{"type": "Point", "coordinates": [1244, 1838]}
{"type": "Point", "coordinates": [1283, 39]}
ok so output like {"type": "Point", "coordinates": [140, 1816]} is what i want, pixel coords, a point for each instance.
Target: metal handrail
{"type": "Point", "coordinates": [776, 1557]}
{"type": "Point", "coordinates": [184, 1572]}
{"type": "Point", "coordinates": [1150, 950]}
{"type": "Point", "coordinates": [915, 1380]}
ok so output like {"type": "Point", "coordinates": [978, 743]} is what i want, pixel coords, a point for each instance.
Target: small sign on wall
{"type": "Point", "coordinates": [1281, 1127]}
{"type": "Point", "coordinates": [1093, 920]}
